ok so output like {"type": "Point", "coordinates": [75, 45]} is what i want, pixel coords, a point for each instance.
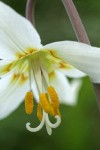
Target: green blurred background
{"type": "Point", "coordinates": [80, 127]}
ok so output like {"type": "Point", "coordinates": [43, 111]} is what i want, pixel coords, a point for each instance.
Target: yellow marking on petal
{"type": "Point", "coordinates": [52, 74]}
{"type": "Point", "coordinates": [19, 55]}
{"type": "Point", "coordinates": [15, 77]}
{"type": "Point", "coordinates": [39, 112]}
{"type": "Point", "coordinates": [21, 76]}
{"type": "Point", "coordinates": [64, 65]}
{"type": "Point", "coordinates": [23, 79]}
{"type": "Point", "coordinates": [7, 68]}
{"type": "Point", "coordinates": [53, 53]}
{"type": "Point", "coordinates": [45, 104]}
{"type": "Point", "coordinates": [30, 51]}
{"type": "Point", "coordinates": [26, 53]}
{"type": "Point", "coordinates": [29, 104]}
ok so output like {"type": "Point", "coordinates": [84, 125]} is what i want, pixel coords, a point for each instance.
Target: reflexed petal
{"type": "Point", "coordinates": [11, 95]}
{"type": "Point", "coordinates": [70, 71]}
{"type": "Point", "coordinates": [13, 88]}
{"type": "Point", "coordinates": [66, 91]}
{"type": "Point", "coordinates": [5, 67]}
{"type": "Point", "coordinates": [17, 35]}
{"type": "Point", "coordinates": [75, 88]}
{"type": "Point", "coordinates": [84, 57]}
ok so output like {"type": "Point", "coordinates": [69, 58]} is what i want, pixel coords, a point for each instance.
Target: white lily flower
{"type": "Point", "coordinates": [28, 70]}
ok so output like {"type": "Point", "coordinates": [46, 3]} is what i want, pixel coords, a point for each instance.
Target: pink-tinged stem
{"type": "Point", "coordinates": [80, 33]}
{"type": "Point", "coordinates": [30, 11]}
{"type": "Point", "coordinates": [76, 21]}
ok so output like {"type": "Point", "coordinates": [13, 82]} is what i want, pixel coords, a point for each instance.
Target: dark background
{"type": "Point", "coordinates": [80, 127]}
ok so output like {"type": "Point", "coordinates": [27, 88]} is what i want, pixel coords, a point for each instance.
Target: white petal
{"type": "Point", "coordinates": [12, 93]}
{"type": "Point", "coordinates": [84, 57]}
{"type": "Point", "coordinates": [17, 34]}
{"type": "Point", "coordinates": [71, 72]}
{"type": "Point", "coordinates": [7, 67]}
{"type": "Point", "coordinates": [65, 90]}
{"type": "Point", "coordinates": [75, 86]}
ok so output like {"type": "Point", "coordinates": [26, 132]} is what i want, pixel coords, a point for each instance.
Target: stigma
{"type": "Point", "coordinates": [48, 105]}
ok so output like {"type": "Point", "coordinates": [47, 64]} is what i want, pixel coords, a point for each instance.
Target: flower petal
{"type": "Point", "coordinates": [84, 57]}
{"type": "Point", "coordinates": [17, 35]}
{"type": "Point", "coordinates": [13, 88]}
{"type": "Point", "coordinates": [66, 91]}
{"type": "Point", "coordinates": [5, 67]}
{"type": "Point", "coordinates": [69, 70]}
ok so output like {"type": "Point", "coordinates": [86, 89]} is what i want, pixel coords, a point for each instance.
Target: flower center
{"type": "Point", "coordinates": [48, 104]}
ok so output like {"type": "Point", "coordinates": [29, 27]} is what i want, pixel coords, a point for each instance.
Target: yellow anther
{"type": "Point", "coordinates": [53, 96]}
{"type": "Point", "coordinates": [39, 112]}
{"type": "Point", "coordinates": [54, 100]}
{"type": "Point", "coordinates": [58, 113]}
{"type": "Point", "coordinates": [29, 104]}
{"type": "Point", "coordinates": [45, 104]}
{"type": "Point", "coordinates": [56, 110]}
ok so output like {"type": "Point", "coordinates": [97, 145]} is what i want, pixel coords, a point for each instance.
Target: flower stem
{"type": "Point", "coordinates": [97, 91]}
{"type": "Point", "coordinates": [76, 21]}
{"type": "Point", "coordinates": [80, 33]}
{"type": "Point", "coordinates": [30, 11]}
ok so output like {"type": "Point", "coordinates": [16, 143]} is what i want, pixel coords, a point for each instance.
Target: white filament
{"type": "Point", "coordinates": [37, 74]}
{"type": "Point", "coordinates": [44, 71]}
{"type": "Point", "coordinates": [55, 125]}
{"type": "Point", "coordinates": [37, 128]}
{"type": "Point", "coordinates": [46, 121]}
{"type": "Point", "coordinates": [29, 65]}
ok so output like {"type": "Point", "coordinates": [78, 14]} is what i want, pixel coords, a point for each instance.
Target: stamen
{"type": "Point", "coordinates": [38, 127]}
{"type": "Point", "coordinates": [53, 96]}
{"type": "Point", "coordinates": [29, 103]}
{"type": "Point", "coordinates": [39, 112]}
{"type": "Point", "coordinates": [54, 100]}
{"type": "Point", "coordinates": [45, 104]}
{"type": "Point", "coordinates": [57, 112]}
{"type": "Point", "coordinates": [55, 125]}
